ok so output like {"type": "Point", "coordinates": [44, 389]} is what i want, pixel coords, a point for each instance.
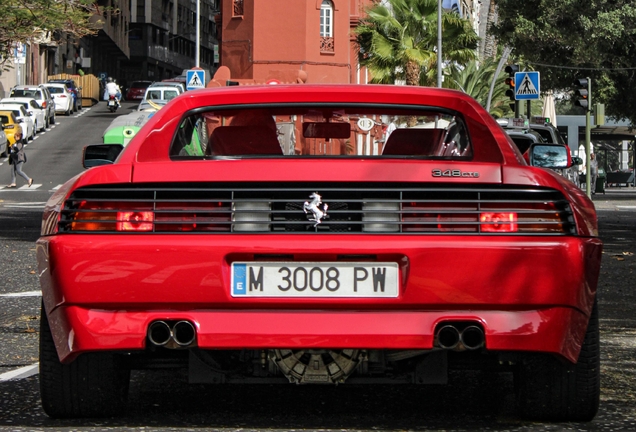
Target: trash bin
{"type": "Point", "coordinates": [600, 181]}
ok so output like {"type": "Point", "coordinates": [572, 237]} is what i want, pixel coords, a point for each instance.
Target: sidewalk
{"type": "Point", "coordinates": [616, 198]}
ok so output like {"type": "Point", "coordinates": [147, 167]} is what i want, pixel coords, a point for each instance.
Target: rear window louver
{"type": "Point", "coordinates": [347, 209]}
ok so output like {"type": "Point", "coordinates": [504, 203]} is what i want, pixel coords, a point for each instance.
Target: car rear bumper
{"type": "Point", "coordinates": [528, 294]}
{"type": "Point", "coordinates": [552, 330]}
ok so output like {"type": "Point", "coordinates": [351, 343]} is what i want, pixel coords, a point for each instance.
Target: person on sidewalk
{"type": "Point", "coordinates": [593, 172]}
{"type": "Point", "coordinates": [17, 158]}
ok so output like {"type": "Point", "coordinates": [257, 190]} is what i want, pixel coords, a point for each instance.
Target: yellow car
{"type": "Point", "coordinates": [10, 125]}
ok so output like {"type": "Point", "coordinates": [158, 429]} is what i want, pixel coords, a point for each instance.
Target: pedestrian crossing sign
{"type": "Point", "coordinates": [527, 85]}
{"type": "Point", "coordinates": [195, 79]}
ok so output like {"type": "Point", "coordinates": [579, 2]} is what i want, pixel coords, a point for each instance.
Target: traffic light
{"type": "Point", "coordinates": [582, 93]}
{"type": "Point", "coordinates": [510, 81]}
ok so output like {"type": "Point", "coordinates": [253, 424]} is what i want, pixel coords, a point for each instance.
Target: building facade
{"type": "Point", "coordinates": [275, 39]}
{"type": "Point", "coordinates": [162, 38]}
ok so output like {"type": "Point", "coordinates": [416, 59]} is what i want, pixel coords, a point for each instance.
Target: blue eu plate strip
{"type": "Point", "coordinates": [239, 282]}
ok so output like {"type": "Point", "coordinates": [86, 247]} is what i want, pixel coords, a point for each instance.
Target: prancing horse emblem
{"type": "Point", "coordinates": [316, 207]}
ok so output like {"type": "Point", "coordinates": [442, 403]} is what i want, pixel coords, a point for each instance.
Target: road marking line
{"type": "Point", "coordinates": [23, 372]}
{"type": "Point", "coordinates": [23, 294]}
{"type": "Point", "coordinates": [33, 186]}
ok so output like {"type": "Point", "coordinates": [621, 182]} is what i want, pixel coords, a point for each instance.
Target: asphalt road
{"type": "Point", "coordinates": [161, 400]}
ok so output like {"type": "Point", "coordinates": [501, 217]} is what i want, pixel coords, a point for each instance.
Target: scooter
{"type": "Point", "coordinates": [113, 103]}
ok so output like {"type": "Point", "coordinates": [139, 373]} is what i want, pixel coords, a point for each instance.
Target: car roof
{"type": "Point", "coordinates": [8, 105]}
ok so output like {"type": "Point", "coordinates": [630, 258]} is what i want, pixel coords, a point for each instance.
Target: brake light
{"type": "Point", "coordinates": [135, 221]}
{"type": "Point", "coordinates": [498, 222]}
{"type": "Point", "coordinates": [43, 104]}
{"type": "Point", "coordinates": [145, 217]}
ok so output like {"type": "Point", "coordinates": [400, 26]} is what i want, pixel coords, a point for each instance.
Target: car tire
{"type": "Point", "coordinates": [551, 390]}
{"type": "Point", "coordinates": [52, 120]}
{"type": "Point", "coordinates": [69, 111]}
{"type": "Point", "coordinates": [92, 385]}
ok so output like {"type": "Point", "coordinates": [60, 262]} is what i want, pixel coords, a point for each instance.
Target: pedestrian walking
{"type": "Point", "coordinates": [593, 172]}
{"type": "Point", "coordinates": [17, 158]}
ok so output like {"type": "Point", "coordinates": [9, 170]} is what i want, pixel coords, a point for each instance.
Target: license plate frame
{"type": "Point", "coordinates": [277, 279]}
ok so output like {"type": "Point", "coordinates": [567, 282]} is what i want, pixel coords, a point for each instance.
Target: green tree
{"type": "Point", "coordinates": [23, 20]}
{"type": "Point", "coordinates": [569, 39]}
{"type": "Point", "coordinates": [398, 38]}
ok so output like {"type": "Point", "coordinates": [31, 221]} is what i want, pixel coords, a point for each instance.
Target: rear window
{"type": "Point", "coordinates": [56, 90]}
{"type": "Point", "coordinates": [351, 131]}
{"type": "Point", "coordinates": [4, 119]}
{"type": "Point", "coordinates": [33, 93]}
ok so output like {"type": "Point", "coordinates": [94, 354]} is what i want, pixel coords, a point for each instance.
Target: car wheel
{"type": "Point", "coordinates": [52, 121]}
{"type": "Point", "coordinates": [548, 389]}
{"type": "Point", "coordinates": [69, 111]}
{"type": "Point", "coordinates": [93, 385]}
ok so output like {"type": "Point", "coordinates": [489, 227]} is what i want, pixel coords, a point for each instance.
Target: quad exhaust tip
{"type": "Point", "coordinates": [172, 334]}
{"type": "Point", "coordinates": [460, 337]}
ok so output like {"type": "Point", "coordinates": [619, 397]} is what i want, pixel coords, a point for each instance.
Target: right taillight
{"type": "Point", "coordinates": [485, 217]}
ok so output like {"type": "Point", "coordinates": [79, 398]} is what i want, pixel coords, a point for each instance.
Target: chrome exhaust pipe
{"type": "Point", "coordinates": [183, 333]}
{"type": "Point", "coordinates": [472, 337]}
{"type": "Point", "coordinates": [448, 337]}
{"type": "Point", "coordinates": [159, 333]}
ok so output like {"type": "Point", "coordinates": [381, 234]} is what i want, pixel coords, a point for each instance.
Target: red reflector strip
{"type": "Point", "coordinates": [498, 222]}
{"type": "Point", "coordinates": [135, 221]}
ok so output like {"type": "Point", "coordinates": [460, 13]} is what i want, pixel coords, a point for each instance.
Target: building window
{"type": "Point", "coordinates": [238, 7]}
{"type": "Point", "coordinates": [326, 27]}
{"type": "Point", "coordinates": [326, 19]}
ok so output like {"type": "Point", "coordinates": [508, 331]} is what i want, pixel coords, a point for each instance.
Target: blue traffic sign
{"type": "Point", "coordinates": [527, 85]}
{"type": "Point", "coordinates": [195, 79]}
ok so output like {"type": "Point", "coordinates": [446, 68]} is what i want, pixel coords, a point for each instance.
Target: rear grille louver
{"type": "Point", "coordinates": [351, 208]}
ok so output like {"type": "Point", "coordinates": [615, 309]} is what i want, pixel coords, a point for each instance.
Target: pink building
{"type": "Point", "coordinates": [289, 41]}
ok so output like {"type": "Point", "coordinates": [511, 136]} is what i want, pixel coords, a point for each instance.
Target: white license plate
{"type": "Point", "coordinates": [111, 103]}
{"type": "Point", "coordinates": [314, 280]}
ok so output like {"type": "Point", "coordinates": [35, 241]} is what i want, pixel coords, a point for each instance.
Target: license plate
{"type": "Point", "coordinates": [314, 280]}
{"type": "Point", "coordinates": [111, 103]}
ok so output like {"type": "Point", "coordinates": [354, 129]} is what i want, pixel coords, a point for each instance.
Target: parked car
{"type": "Point", "coordinates": [295, 247]}
{"type": "Point", "coordinates": [32, 107]}
{"type": "Point", "coordinates": [24, 118]}
{"type": "Point", "coordinates": [525, 138]}
{"type": "Point", "coordinates": [41, 95]}
{"type": "Point", "coordinates": [77, 91]}
{"type": "Point", "coordinates": [157, 92]}
{"type": "Point", "coordinates": [137, 90]}
{"type": "Point", "coordinates": [171, 83]}
{"type": "Point", "coordinates": [63, 98]}
{"type": "Point", "coordinates": [10, 124]}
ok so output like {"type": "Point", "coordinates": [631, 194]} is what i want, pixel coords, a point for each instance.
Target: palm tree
{"type": "Point", "coordinates": [475, 78]}
{"type": "Point", "coordinates": [398, 39]}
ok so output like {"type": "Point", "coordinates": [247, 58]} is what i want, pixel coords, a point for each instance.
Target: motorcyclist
{"type": "Point", "coordinates": [113, 89]}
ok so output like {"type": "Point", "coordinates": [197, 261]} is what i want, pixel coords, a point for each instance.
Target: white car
{"type": "Point", "coordinates": [62, 96]}
{"type": "Point", "coordinates": [37, 113]}
{"type": "Point", "coordinates": [24, 117]}
{"type": "Point", "coordinates": [42, 96]}
{"type": "Point", "coordinates": [156, 92]}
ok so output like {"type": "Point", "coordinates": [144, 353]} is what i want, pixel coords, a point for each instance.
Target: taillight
{"type": "Point", "coordinates": [498, 222]}
{"type": "Point", "coordinates": [485, 217]}
{"type": "Point", "coordinates": [135, 221]}
{"type": "Point", "coordinates": [43, 104]}
{"type": "Point", "coordinates": [109, 216]}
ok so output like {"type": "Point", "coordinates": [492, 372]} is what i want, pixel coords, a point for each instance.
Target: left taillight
{"type": "Point", "coordinates": [145, 217]}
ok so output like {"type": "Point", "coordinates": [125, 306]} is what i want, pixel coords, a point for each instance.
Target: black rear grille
{"type": "Point", "coordinates": [351, 208]}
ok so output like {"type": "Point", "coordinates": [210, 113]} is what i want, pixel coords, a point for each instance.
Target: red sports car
{"type": "Point", "coordinates": [321, 234]}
